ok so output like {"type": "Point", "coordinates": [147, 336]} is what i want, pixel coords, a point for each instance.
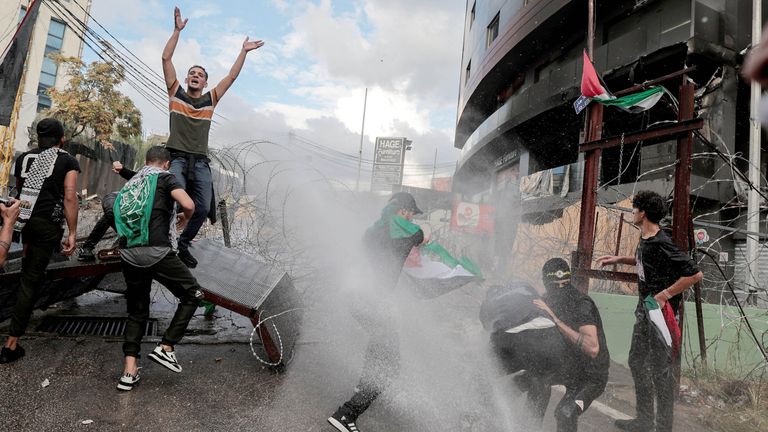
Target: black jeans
{"type": "Point", "coordinates": [41, 238]}
{"type": "Point", "coordinates": [579, 395]}
{"type": "Point", "coordinates": [544, 357]}
{"type": "Point", "coordinates": [650, 362]}
{"type": "Point", "coordinates": [106, 222]}
{"type": "Point", "coordinates": [382, 360]}
{"type": "Point", "coordinates": [174, 275]}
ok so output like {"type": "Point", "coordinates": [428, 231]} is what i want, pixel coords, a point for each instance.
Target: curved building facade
{"type": "Point", "coordinates": [521, 72]}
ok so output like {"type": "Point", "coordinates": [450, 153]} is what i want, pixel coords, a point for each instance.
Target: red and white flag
{"type": "Point", "coordinates": [593, 88]}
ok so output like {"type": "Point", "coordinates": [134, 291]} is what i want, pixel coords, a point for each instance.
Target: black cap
{"type": "Point", "coordinates": [50, 127]}
{"type": "Point", "coordinates": [556, 269]}
{"type": "Point", "coordinates": [404, 200]}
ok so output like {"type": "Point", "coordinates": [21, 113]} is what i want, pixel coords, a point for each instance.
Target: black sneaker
{"type": "Point", "coordinates": [127, 381]}
{"type": "Point", "coordinates": [8, 355]}
{"type": "Point", "coordinates": [342, 422]}
{"type": "Point", "coordinates": [634, 425]}
{"type": "Point", "coordinates": [523, 381]}
{"type": "Point", "coordinates": [86, 254]}
{"type": "Point", "coordinates": [165, 358]}
{"type": "Point", "coordinates": [187, 258]}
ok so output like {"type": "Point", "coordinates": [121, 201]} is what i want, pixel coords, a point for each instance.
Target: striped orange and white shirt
{"type": "Point", "coordinates": [190, 120]}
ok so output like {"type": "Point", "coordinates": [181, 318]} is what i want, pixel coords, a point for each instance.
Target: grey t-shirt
{"type": "Point", "coordinates": [144, 256]}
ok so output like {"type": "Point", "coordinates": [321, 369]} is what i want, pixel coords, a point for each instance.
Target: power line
{"type": "Point", "coordinates": [347, 156]}
{"type": "Point", "coordinates": [55, 7]}
{"type": "Point", "coordinates": [154, 93]}
{"type": "Point", "coordinates": [143, 65]}
{"type": "Point", "coordinates": [146, 66]}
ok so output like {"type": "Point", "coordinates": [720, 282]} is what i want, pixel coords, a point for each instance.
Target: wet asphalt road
{"type": "Point", "coordinates": [224, 388]}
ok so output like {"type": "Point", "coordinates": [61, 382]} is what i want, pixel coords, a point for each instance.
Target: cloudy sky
{"type": "Point", "coordinates": [309, 78]}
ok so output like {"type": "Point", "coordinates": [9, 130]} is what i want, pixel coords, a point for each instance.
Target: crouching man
{"type": "Point", "coordinates": [555, 340]}
{"type": "Point", "coordinates": [585, 373]}
{"type": "Point", "coordinates": [147, 224]}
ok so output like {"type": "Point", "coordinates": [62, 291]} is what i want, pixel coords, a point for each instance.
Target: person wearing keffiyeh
{"type": "Point", "coordinates": [146, 221]}
{"type": "Point", "coordinates": [46, 181]}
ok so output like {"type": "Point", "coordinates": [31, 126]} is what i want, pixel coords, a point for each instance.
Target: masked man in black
{"type": "Point", "coordinates": [585, 369]}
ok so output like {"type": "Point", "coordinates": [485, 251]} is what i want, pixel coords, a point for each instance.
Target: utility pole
{"type": "Point", "coordinates": [434, 169]}
{"type": "Point", "coordinates": [593, 130]}
{"type": "Point", "coordinates": [360, 151]}
{"type": "Point", "coordinates": [753, 199]}
{"type": "Point", "coordinates": [591, 30]}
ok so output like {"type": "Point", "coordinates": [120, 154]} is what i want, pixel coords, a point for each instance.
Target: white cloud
{"type": "Point", "coordinates": [407, 42]}
{"type": "Point", "coordinates": [295, 116]}
{"type": "Point", "coordinates": [207, 10]}
{"type": "Point", "coordinates": [406, 53]}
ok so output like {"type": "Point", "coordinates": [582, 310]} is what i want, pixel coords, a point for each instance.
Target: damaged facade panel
{"type": "Point", "coordinates": [523, 84]}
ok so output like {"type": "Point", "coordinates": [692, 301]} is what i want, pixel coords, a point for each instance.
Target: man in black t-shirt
{"type": "Point", "coordinates": [148, 253]}
{"type": "Point", "coordinates": [586, 362]}
{"type": "Point", "coordinates": [664, 272]}
{"type": "Point", "coordinates": [46, 181]}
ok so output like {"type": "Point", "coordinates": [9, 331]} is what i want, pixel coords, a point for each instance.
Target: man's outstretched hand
{"type": "Point", "coordinates": [179, 23]}
{"type": "Point", "coordinates": [543, 306]}
{"type": "Point", "coordinates": [249, 45]}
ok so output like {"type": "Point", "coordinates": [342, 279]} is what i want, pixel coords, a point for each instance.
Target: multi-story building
{"type": "Point", "coordinates": [51, 35]}
{"type": "Point", "coordinates": [521, 71]}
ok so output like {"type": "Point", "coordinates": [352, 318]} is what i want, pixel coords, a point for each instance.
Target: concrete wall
{"type": "Point", "coordinates": [731, 349]}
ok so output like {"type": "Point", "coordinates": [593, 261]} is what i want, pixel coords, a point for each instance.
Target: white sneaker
{"type": "Point", "coordinates": [127, 381]}
{"type": "Point", "coordinates": [342, 423]}
{"type": "Point", "coordinates": [165, 358]}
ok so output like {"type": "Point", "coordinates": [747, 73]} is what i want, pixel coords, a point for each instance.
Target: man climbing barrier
{"type": "Point", "coordinates": [146, 220]}
{"type": "Point", "coordinates": [191, 113]}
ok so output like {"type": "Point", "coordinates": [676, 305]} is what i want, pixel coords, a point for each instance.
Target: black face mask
{"type": "Point", "coordinates": [552, 288]}
{"type": "Point", "coordinates": [557, 292]}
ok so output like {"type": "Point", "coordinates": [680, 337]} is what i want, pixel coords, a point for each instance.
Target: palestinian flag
{"type": "Point", "coordinates": [434, 271]}
{"type": "Point", "coordinates": [664, 321]}
{"type": "Point", "coordinates": [594, 89]}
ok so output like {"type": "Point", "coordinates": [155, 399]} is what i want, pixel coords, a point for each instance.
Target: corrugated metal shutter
{"type": "Point", "coordinates": [740, 264]}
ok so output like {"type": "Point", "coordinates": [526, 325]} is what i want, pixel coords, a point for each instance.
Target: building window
{"type": "Point", "coordinates": [466, 74]}
{"type": "Point", "coordinates": [493, 31]}
{"type": "Point", "coordinates": [472, 15]}
{"type": "Point", "coordinates": [48, 72]}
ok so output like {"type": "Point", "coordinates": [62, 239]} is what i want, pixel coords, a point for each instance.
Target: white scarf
{"type": "Point", "coordinates": [41, 169]}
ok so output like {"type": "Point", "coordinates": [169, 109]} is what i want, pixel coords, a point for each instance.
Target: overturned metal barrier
{"type": "Point", "coordinates": [64, 280]}
{"type": "Point", "coordinates": [231, 279]}
{"type": "Point", "coordinates": [252, 288]}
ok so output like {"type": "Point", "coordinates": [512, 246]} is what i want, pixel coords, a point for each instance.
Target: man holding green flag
{"type": "Point", "coordinates": [147, 224]}
{"type": "Point", "coordinates": [387, 244]}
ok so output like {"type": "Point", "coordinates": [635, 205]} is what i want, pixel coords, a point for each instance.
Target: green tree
{"type": "Point", "coordinates": [90, 106]}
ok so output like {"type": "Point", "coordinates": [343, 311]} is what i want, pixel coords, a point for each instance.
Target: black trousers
{"type": "Point", "coordinates": [650, 362]}
{"type": "Point", "coordinates": [41, 238]}
{"type": "Point", "coordinates": [174, 275]}
{"type": "Point", "coordinates": [106, 222]}
{"type": "Point", "coordinates": [381, 363]}
{"type": "Point", "coordinates": [544, 356]}
{"type": "Point", "coordinates": [579, 395]}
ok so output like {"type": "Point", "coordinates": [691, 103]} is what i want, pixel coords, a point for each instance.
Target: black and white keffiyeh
{"type": "Point", "coordinates": [41, 169]}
